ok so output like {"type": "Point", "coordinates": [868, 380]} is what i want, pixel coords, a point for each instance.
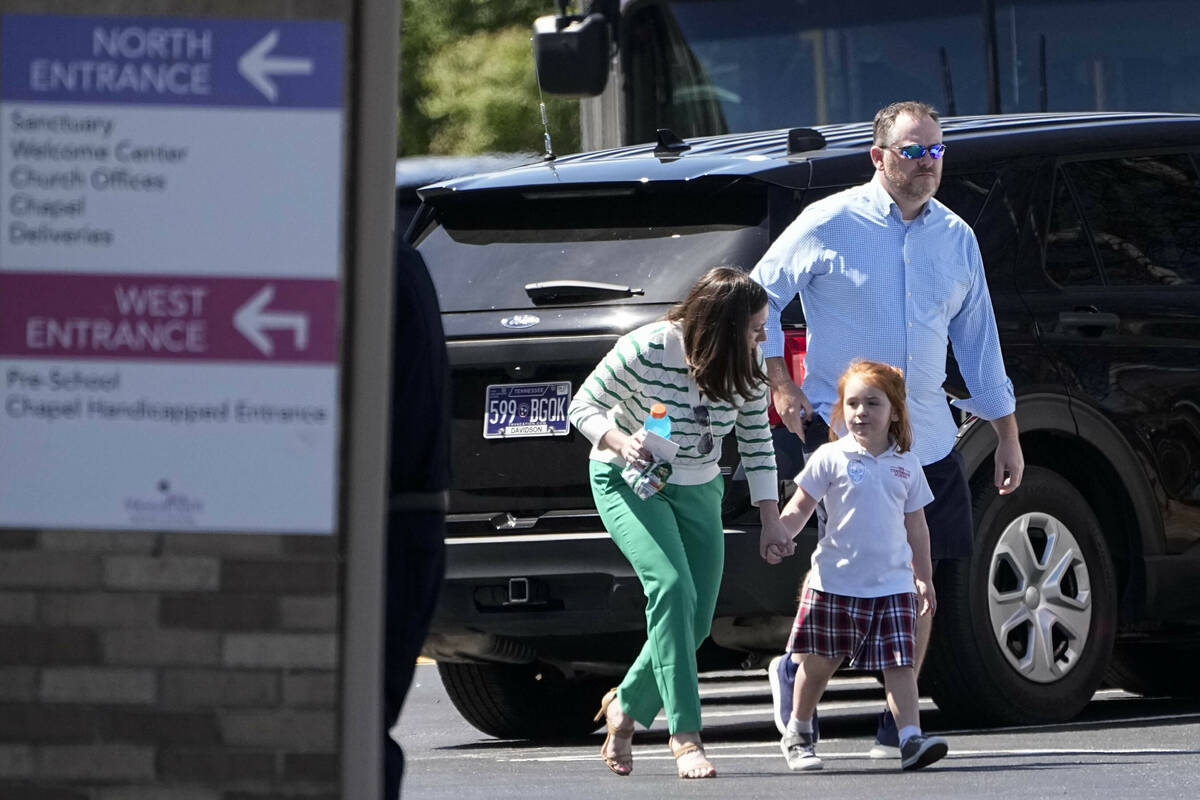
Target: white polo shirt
{"type": "Point", "coordinates": [864, 552]}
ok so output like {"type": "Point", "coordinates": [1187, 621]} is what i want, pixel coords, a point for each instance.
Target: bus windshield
{"type": "Point", "coordinates": [715, 66]}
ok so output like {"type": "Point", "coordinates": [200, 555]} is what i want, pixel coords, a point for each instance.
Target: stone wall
{"type": "Point", "coordinates": [166, 665]}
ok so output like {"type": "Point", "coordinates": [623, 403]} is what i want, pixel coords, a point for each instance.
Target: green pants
{"type": "Point", "coordinates": [675, 542]}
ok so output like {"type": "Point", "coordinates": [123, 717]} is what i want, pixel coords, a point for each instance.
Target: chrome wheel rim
{"type": "Point", "coordinates": [1039, 597]}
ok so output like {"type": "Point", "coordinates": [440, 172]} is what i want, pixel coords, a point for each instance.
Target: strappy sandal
{"type": "Point", "coordinates": [688, 749]}
{"type": "Point", "coordinates": [621, 766]}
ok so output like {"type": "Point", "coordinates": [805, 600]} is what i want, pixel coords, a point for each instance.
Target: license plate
{"type": "Point", "coordinates": [511, 410]}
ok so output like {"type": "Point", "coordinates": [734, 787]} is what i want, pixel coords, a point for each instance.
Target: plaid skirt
{"type": "Point", "coordinates": [875, 633]}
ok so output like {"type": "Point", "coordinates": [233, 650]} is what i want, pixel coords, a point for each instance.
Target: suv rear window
{"type": "Point", "coordinates": [656, 241]}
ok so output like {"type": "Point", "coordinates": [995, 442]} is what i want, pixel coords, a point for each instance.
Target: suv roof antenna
{"type": "Point", "coordinates": [563, 20]}
{"type": "Point", "coordinates": [802, 140]}
{"type": "Point", "coordinates": [669, 143]}
{"type": "Point", "coordinates": [545, 126]}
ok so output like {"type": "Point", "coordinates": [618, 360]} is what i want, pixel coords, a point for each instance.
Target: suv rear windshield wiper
{"type": "Point", "coordinates": [547, 292]}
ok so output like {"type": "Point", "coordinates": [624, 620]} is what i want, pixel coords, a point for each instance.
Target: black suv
{"type": "Point", "coordinates": [1090, 230]}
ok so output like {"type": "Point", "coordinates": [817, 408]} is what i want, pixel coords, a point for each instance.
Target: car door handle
{"type": "Point", "coordinates": [1088, 323]}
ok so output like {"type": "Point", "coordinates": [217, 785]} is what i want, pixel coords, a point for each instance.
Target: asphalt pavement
{"type": "Point", "coordinates": [1121, 746]}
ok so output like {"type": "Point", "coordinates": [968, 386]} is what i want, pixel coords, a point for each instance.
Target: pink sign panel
{"type": "Point", "coordinates": [151, 317]}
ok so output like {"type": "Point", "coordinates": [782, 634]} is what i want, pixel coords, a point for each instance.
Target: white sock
{"type": "Point", "coordinates": [798, 726]}
{"type": "Point", "coordinates": [909, 731]}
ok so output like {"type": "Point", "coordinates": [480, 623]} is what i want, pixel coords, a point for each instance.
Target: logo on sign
{"type": "Point", "coordinates": [166, 507]}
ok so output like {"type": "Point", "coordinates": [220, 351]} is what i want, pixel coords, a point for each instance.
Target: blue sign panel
{"type": "Point", "coordinates": [171, 61]}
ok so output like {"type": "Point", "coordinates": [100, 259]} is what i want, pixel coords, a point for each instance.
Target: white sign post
{"type": "Point", "coordinates": [170, 261]}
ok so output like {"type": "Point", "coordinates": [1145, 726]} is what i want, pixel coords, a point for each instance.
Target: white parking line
{"type": "Point", "coordinates": [1074, 723]}
{"type": "Point", "coordinates": [866, 706]}
{"type": "Point", "coordinates": [748, 684]}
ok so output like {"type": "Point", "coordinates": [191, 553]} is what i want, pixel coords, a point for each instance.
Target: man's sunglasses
{"type": "Point", "coordinates": [705, 445]}
{"type": "Point", "coordinates": [915, 151]}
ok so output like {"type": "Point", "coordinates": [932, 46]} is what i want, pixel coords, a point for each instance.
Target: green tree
{"type": "Point", "coordinates": [467, 83]}
{"type": "Point", "coordinates": [483, 97]}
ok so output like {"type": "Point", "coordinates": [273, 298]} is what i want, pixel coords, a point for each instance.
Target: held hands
{"type": "Point", "coordinates": [926, 597]}
{"type": "Point", "coordinates": [779, 529]}
{"type": "Point", "coordinates": [775, 542]}
{"type": "Point", "coordinates": [776, 554]}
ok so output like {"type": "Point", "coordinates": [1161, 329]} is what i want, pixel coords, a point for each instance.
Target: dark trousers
{"type": "Point", "coordinates": [416, 561]}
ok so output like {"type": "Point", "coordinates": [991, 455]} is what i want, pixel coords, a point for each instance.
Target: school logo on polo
{"type": "Point", "coordinates": [856, 471]}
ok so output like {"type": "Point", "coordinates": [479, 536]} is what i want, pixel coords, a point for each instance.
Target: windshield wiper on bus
{"type": "Point", "coordinates": [547, 292]}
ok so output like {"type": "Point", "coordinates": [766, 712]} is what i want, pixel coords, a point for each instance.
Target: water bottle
{"type": "Point", "coordinates": [658, 421]}
{"type": "Point", "coordinates": [646, 479]}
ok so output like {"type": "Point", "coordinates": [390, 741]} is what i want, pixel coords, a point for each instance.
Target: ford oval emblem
{"type": "Point", "coordinates": [518, 321]}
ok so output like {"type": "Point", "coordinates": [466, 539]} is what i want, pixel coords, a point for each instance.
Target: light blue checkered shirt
{"type": "Point", "coordinates": [878, 288]}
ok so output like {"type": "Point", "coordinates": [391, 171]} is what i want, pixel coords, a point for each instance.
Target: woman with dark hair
{"type": "Point", "coordinates": [702, 362]}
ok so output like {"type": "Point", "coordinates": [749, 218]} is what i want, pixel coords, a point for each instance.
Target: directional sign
{"type": "Point", "coordinates": [149, 144]}
{"type": "Point", "coordinates": [172, 61]}
{"type": "Point", "coordinates": [183, 317]}
{"type": "Point", "coordinates": [170, 251]}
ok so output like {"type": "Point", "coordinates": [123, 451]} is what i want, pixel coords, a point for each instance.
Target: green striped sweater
{"type": "Point", "coordinates": [647, 366]}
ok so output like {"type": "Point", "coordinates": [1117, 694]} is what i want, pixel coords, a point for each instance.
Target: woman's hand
{"type": "Point", "coordinates": [926, 597]}
{"type": "Point", "coordinates": [629, 447]}
{"type": "Point", "coordinates": [774, 541]}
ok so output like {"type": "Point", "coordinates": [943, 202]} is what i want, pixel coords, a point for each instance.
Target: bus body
{"type": "Point", "coordinates": [707, 67]}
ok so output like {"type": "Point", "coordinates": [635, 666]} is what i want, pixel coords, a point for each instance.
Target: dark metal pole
{"type": "Point", "coordinates": [1043, 93]}
{"type": "Point", "coordinates": [948, 82]}
{"type": "Point", "coordinates": [992, 56]}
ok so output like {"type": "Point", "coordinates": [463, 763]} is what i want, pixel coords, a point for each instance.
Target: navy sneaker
{"type": "Point", "coordinates": [782, 675]}
{"type": "Point", "coordinates": [887, 738]}
{"type": "Point", "coordinates": [921, 751]}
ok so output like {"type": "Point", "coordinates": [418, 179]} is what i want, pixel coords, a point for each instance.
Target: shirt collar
{"type": "Point", "coordinates": [885, 206]}
{"type": "Point", "coordinates": [849, 445]}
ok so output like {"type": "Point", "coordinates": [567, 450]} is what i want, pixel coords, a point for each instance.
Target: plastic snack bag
{"type": "Point", "coordinates": [647, 478]}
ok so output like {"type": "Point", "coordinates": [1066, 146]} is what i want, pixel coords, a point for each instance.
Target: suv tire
{"type": "Point", "coordinates": [523, 701]}
{"type": "Point", "coordinates": [1040, 565]}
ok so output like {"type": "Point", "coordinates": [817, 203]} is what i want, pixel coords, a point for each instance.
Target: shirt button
{"type": "Point", "coordinates": [910, 324]}
{"type": "Point", "coordinates": [910, 358]}
{"type": "Point", "coordinates": [910, 294]}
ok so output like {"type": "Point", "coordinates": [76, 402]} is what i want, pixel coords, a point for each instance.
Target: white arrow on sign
{"type": "Point", "coordinates": [257, 65]}
{"type": "Point", "coordinates": [251, 321]}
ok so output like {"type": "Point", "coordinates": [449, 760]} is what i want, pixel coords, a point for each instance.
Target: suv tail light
{"type": "Point", "coordinates": [794, 347]}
